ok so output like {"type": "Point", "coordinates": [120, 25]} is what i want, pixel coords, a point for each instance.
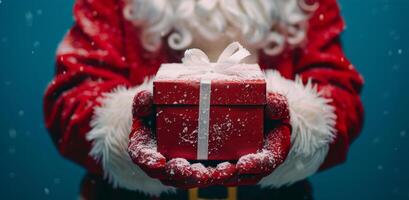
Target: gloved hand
{"type": "Point", "coordinates": [252, 167]}
{"type": "Point", "coordinates": [180, 173]}
{"type": "Point", "coordinates": [176, 172]}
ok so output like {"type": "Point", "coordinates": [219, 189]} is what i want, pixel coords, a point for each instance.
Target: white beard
{"type": "Point", "coordinates": [258, 24]}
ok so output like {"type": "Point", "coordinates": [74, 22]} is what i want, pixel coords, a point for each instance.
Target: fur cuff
{"type": "Point", "coordinates": [312, 120]}
{"type": "Point", "coordinates": [111, 126]}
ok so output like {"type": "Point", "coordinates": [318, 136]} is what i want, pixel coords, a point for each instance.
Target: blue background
{"type": "Point", "coordinates": [376, 40]}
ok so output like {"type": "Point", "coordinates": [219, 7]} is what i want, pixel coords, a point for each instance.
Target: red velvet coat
{"type": "Point", "coordinates": [102, 50]}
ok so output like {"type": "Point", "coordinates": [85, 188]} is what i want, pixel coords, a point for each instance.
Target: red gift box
{"type": "Point", "coordinates": [210, 111]}
{"type": "Point", "coordinates": [235, 115]}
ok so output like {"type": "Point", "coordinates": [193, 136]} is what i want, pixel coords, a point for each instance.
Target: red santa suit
{"type": "Point", "coordinates": [101, 64]}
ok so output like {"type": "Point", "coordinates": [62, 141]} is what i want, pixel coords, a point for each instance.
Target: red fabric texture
{"type": "Point", "coordinates": [102, 51]}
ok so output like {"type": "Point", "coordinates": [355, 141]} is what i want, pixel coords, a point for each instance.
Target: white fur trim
{"type": "Point", "coordinates": [111, 126]}
{"type": "Point", "coordinates": [312, 120]}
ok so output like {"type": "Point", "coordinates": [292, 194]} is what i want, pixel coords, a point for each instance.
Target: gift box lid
{"type": "Point", "coordinates": [238, 84]}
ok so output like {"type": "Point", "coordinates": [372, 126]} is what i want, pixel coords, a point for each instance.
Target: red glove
{"type": "Point", "coordinates": [180, 173]}
{"type": "Point", "coordinates": [176, 172]}
{"type": "Point", "coordinates": [252, 167]}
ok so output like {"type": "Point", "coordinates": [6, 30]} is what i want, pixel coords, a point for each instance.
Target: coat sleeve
{"type": "Point", "coordinates": [322, 88]}
{"type": "Point", "coordinates": [88, 104]}
{"type": "Point", "coordinates": [88, 63]}
{"type": "Point", "coordinates": [323, 62]}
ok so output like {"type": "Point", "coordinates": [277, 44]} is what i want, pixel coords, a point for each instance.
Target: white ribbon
{"type": "Point", "coordinates": [203, 122]}
{"type": "Point", "coordinates": [232, 55]}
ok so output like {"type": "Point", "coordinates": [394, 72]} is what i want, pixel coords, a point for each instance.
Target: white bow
{"type": "Point", "coordinates": [233, 54]}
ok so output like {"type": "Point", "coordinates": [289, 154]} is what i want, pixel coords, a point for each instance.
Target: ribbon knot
{"type": "Point", "coordinates": [233, 54]}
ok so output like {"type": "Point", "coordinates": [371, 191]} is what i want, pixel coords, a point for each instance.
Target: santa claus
{"type": "Point", "coordinates": [97, 106]}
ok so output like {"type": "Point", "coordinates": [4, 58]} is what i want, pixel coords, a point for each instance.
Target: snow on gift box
{"type": "Point", "coordinates": [210, 111]}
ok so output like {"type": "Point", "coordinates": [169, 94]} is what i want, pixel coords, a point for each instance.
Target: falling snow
{"type": "Point", "coordinates": [12, 150]}
{"type": "Point", "coordinates": [12, 175]}
{"type": "Point", "coordinates": [36, 44]}
{"type": "Point", "coordinates": [402, 133]}
{"type": "Point", "coordinates": [46, 191]}
{"type": "Point", "coordinates": [376, 140]}
{"type": "Point", "coordinates": [12, 133]}
{"type": "Point", "coordinates": [21, 113]}
{"type": "Point", "coordinates": [29, 18]}
{"type": "Point", "coordinates": [56, 181]}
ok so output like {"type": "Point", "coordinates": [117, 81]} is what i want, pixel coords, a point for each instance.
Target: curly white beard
{"type": "Point", "coordinates": [259, 24]}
